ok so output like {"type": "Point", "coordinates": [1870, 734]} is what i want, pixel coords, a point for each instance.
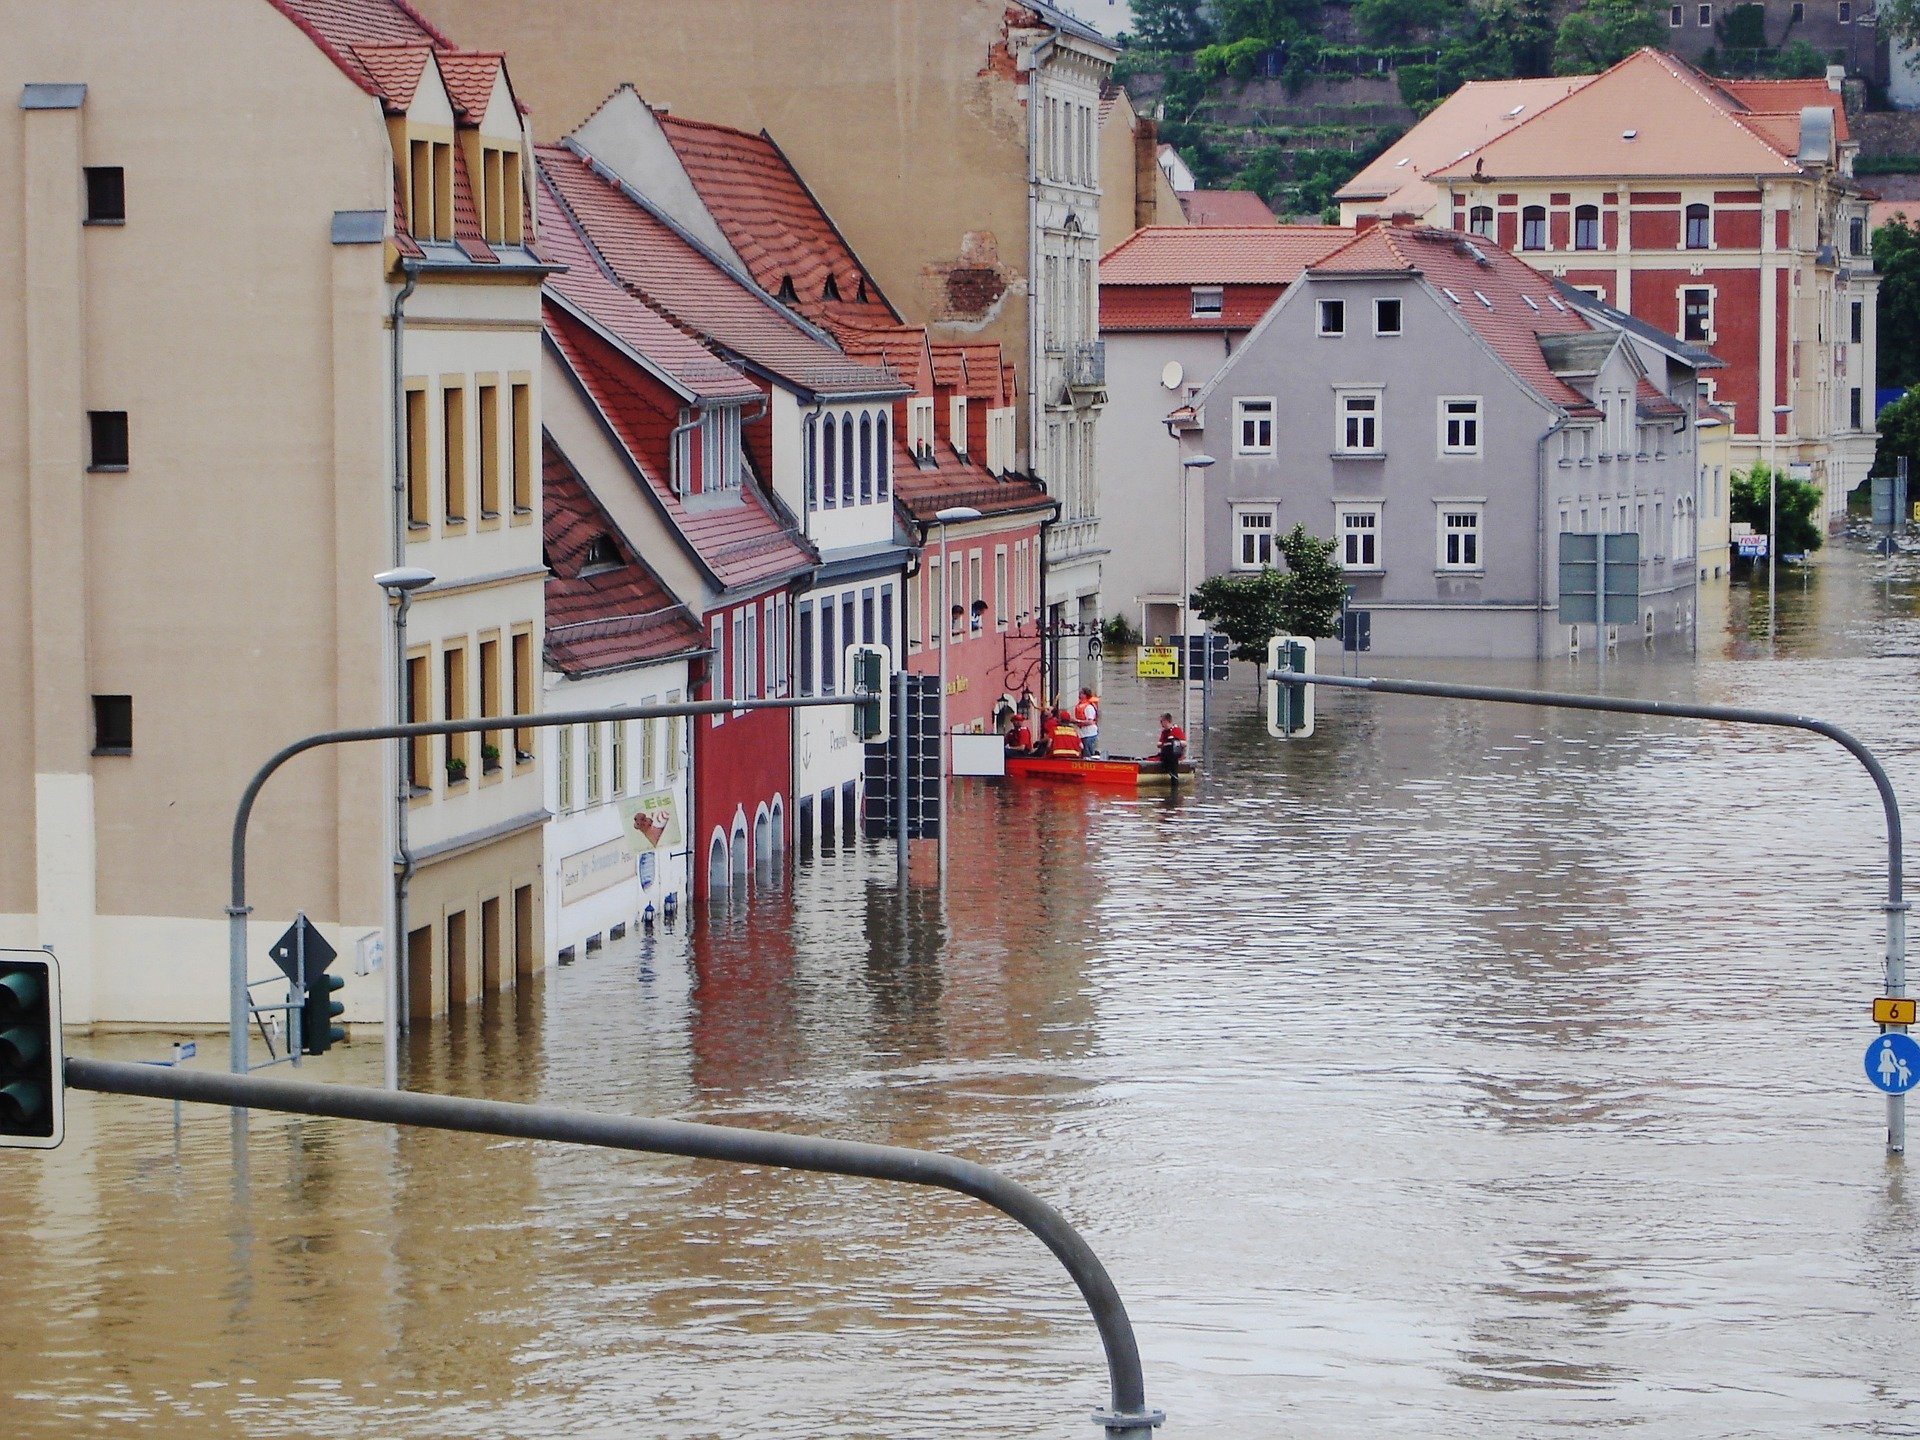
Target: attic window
{"type": "Point", "coordinates": [602, 554]}
{"type": "Point", "coordinates": [1529, 301]}
{"type": "Point", "coordinates": [1554, 300]}
{"type": "Point", "coordinates": [1208, 301]}
{"type": "Point", "coordinates": [1483, 299]}
{"type": "Point", "coordinates": [1404, 159]}
{"type": "Point", "coordinates": [831, 290]}
{"type": "Point", "coordinates": [786, 293]}
{"type": "Point", "coordinates": [1450, 295]}
{"type": "Point", "coordinates": [1629, 134]}
{"type": "Point", "coordinates": [860, 293]}
{"type": "Point", "coordinates": [1515, 111]}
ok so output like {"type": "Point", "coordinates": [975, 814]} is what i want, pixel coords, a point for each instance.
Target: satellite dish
{"type": "Point", "coordinates": [1172, 375]}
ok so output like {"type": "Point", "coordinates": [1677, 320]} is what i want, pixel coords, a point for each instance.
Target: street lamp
{"type": "Point", "coordinates": [1773, 500]}
{"type": "Point", "coordinates": [1188, 465]}
{"type": "Point", "coordinates": [399, 584]}
{"type": "Point", "coordinates": [952, 515]}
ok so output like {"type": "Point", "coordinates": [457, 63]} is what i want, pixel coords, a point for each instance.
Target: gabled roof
{"type": "Point", "coordinates": [1673, 345]}
{"type": "Point", "coordinates": [1225, 207]}
{"type": "Point", "coordinates": [1788, 98]}
{"type": "Point", "coordinates": [470, 77]}
{"type": "Point", "coordinates": [1467, 119]}
{"type": "Point", "coordinates": [1650, 115]}
{"type": "Point", "coordinates": [1503, 300]}
{"type": "Point", "coordinates": [902, 349]}
{"type": "Point", "coordinates": [655, 261]}
{"type": "Point", "coordinates": [774, 223]}
{"type": "Point", "coordinates": [1218, 254]}
{"type": "Point", "coordinates": [396, 69]}
{"type": "Point", "coordinates": [338, 27]}
{"type": "Point", "coordinates": [742, 545]}
{"type": "Point", "coordinates": [601, 617]}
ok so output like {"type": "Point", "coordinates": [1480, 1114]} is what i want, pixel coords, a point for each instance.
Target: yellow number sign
{"type": "Point", "coordinates": [1157, 662]}
{"type": "Point", "coordinates": [1891, 1010]}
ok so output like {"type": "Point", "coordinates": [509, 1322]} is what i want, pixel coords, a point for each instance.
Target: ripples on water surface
{"type": "Point", "coordinates": [1458, 1072]}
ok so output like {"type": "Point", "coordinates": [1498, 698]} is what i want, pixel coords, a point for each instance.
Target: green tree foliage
{"type": "Point", "coordinates": [1268, 20]}
{"type": "Point", "coordinates": [1899, 435]}
{"type": "Point", "coordinates": [1386, 21]}
{"type": "Point", "coordinates": [1604, 32]}
{"type": "Point", "coordinates": [1896, 255]}
{"type": "Point", "coordinates": [1250, 608]}
{"type": "Point", "coordinates": [1742, 27]}
{"type": "Point", "coordinates": [1899, 20]}
{"type": "Point", "coordinates": [1798, 502]}
{"type": "Point", "coordinates": [1236, 60]}
{"type": "Point", "coordinates": [1170, 24]}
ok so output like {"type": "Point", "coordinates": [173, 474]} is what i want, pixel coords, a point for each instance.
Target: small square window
{"type": "Point", "coordinates": [1386, 317]}
{"type": "Point", "coordinates": [1846, 12]}
{"type": "Point", "coordinates": [106, 195]}
{"type": "Point", "coordinates": [1798, 12]}
{"type": "Point", "coordinates": [1676, 17]}
{"type": "Point", "coordinates": [1333, 317]}
{"type": "Point", "coordinates": [1706, 16]}
{"type": "Point", "coordinates": [1208, 301]}
{"type": "Point", "coordinates": [108, 440]}
{"type": "Point", "coordinates": [113, 724]}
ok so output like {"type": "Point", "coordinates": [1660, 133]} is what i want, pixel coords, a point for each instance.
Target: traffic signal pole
{"type": "Point", "coordinates": [1127, 1416]}
{"type": "Point", "coordinates": [1896, 904]}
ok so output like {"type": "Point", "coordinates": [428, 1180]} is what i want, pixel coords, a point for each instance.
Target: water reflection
{"type": "Point", "coordinates": [1462, 1070]}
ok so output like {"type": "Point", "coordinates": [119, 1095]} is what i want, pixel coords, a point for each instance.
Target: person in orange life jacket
{"type": "Point", "coordinates": [1172, 744]}
{"type": "Point", "coordinates": [1086, 716]}
{"type": "Point", "coordinates": [1066, 739]}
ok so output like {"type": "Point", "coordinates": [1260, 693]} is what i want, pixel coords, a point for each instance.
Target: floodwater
{"type": "Point", "coordinates": [1460, 1071]}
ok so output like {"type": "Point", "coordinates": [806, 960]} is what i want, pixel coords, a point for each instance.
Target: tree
{"type": "Point", "coordinates": [1896, 255]}
{"type": "Point", "coordinates": [1899, 20]}
{"type": "Point", "coordinates": [1398, 21]}
{"type": "Point", "coordinates": [1170, 24]}
{"type": "Point", "coordinates": [1899, 435]}
{"type": "Point", "coordinates": [1798, 502]}
{"type": "Point", "coordinates": [1250, 608]}
{"type": "Point", "coordinates": [1604, 32]}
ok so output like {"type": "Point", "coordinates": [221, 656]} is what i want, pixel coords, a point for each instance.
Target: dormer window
{"type": "Point", "coordinates": [430, 189]}
{"type": "Point", "coordinates": [1208, 302]}
{"type": "Point", "coordinates": [720, 460]}
{"type": "Point", "coordinates": [920, 427]}
{"type": "Point", "coordinates": [499, 194]}
{"type": "Point", "coordinates": [831, 290]}
{"type": "Point", "coordinates": [786, 294]}
{"type": "Point", "coordinates": [957, 423]}
{"type": "Point", "coordinates": [602, 554]}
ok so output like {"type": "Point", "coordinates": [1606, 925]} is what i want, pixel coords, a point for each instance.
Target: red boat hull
{"type": "Point", "coordinates": [1118, 773]}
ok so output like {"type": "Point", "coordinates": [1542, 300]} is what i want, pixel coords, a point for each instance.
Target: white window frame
{"type": "Point", "coordinates": [956, 425]}
{"type": "Point", "coordinates": [1445, 512]}
{"type": "Point", "coordinates": [1269, 511]}
{"type": "Point", "coordinates": [920, 425]}
{"type": "Point", "coordinates": [1321, 309]}
{"type": "Point", "coordinates": [1246, 409]}
{"type": "Point", "coordinates": [1473, 422]}
{"type": "Point", "coordinates": [1209, 302]}
{"type": "Point", "coordinates": [1343, 397]}
{"type": "Point", "coordinates": [1713, 306]}
{"type": "Point", "coordinates": [1400, 310]}
{"type": "Point", "coordinates": [1346, 511]}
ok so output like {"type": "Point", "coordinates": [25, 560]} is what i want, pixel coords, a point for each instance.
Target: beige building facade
{"type": "Point", "coordinates": [198, 429]}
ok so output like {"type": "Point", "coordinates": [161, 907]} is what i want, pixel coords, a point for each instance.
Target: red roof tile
{"type": "Point", "coordinates": [1218, 254]}
{"type": "Point", "coordinates": [985, 377]}
{"type": "Point", "coordinates": [902, 349]}
{"type": "Point", "coordinates": [338, 27]}
{"type": "Point", "coordinates": [469, 77]}
{"type": "Point", "coordinates": [601, 617]}
{"type": "Point", "coordinates": [1225, 207]}
{"type": "Point", "coordinates": [1519, 303]}
{"type": "Point", "coordinates": [396, 69]}
{"type": "Point", "coordinates": [1170, 307]}
{"type": "Point", "coordinates": [743, 545]}
{"type": "Point", "coordinates": [655, 262]}
{"type": "Point", "coordinates": [1788, 98]}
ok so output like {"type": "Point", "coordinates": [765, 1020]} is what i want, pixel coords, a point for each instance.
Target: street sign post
{"type": "Point", "coordinates": [1893, 1063]}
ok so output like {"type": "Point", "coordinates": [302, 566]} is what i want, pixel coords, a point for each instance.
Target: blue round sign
{"type": "Point", "coordinates": [1893, 1063]}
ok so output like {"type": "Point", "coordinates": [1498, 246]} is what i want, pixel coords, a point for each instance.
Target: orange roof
{"type": "Point", "coordinates": [1465, 120]}
{"type": "Point", "coordinates": [1218, 254]}
{"type": "Point", "coordinates": [1788, 98]}
{"type": "Point", "coordinates": [1505, 301]}
{"type": "Point", "coordinates": [339, 27]}
{"type": "Point", "coordinates": [1225, 207]}
{"type": "Point", "coordinates": [395, 68]}
{"type": "Point", "coordinates": [469, 76]}
{"type": "Point", "coordinates": [1650, 115]}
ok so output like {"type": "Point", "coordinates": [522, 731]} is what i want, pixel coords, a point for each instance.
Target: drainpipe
{"type": "Point", "coordinates": [1540, 534]}
{"type": "Point", "coordinates": [403, 854]}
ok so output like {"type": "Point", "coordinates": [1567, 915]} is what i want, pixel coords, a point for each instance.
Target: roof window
{"type": "Point", "coordinates": [786, 294]}
{"type": "Point", "coordinates": [1450, 295]}
{"type": "Point", "coordinates": [1529, 302]}
{"type": "Point", "coordinates": [1554, 300]}
{"type": "Point", "coordinates": [1483, 299]}
{"type": "Point", "coordinates": [1515, 111]}
{"type": "Point", "coordinates": [831, 290]}
{"type": "Point", "coordinates": [602, 554]}
{"type": "Point", "coordinates": [1629, 134]}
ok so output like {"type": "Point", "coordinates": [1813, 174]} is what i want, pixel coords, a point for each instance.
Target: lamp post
{"type": "Point", "coordinates": [399, 584]}
{"type": "Point", "coordinates": [952, 515]}
{"type": "Point", "coordinates": [1773, 500]}
{"type": "Point", "coordinates": [1188, 465]}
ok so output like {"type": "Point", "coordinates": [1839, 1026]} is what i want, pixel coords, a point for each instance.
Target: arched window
{"type": "Point", "coordinates": [866, 458]}
{"type": "Point", "coordinates": [830, 470]}
{"type": "Point", "coordinates": [742, 856]}
{"type": "Point", "coordinates": [1586, 227]}
{"type": "Point", "coordinates": [883, 455]}
{"type": "Point", "coordinates": [1480, 221]}
{"type": "Point", "coordinates": [846, 454]}
{"type": "Point", "coordinates": [717, 867]}
{"type": "Point", "coordinates": [1699, 231]}
{"type": "Point", "coordinates": [1533, 228]}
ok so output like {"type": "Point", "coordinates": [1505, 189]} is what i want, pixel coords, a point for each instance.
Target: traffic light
{"type": "Point", "coordinates": [32, 1088]}
{"type": "Point", "coordinates": [867, 669]}
{"type": "Point", "coordinates": [1289, 707]}
{"type": "Point", "coordinates": [317, 1030]}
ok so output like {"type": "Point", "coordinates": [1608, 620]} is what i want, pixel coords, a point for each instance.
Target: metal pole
{"type": "Point", "coordinates": [901, 778]}
{"type": "Point", "coordinates": [402, 858]}
{"type": "Point", "coordinates": [1896, 904]}
{"type": "Point", "coordinates": [1186, 617]}
{"type": "Point", "coordinates": [946, 638]}
{"type": "Point", "coordinates": [1128, 1417]}
{"type": "Point", "coordinates": [237, 907]}
{"type": "Point", "coordinates": [1773, 528]}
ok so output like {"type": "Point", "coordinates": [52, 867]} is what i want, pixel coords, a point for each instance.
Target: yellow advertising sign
{"type": "Point", "coordinates": [651, 822]}
{"type": "Point", "coordinates": [1893, 1010]}
{"type": "Point", "coordinates": [1157, 662]}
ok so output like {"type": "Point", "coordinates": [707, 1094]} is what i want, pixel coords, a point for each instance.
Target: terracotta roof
{"type": "Point", "coordinates": [469, 77]}
{"type": "Point", "coordinates": [774, 223]}
{"type": "Point", "coordinates": [743, 545]}
{"type": "Point", "coordinates": [1651, 114]}
{"type": "Point", "coordinates": [601, 616]}
{"type": "Point", "coordinates": [1505, 301]}
{"type": "Point", "coordinates": [1788, 98]}
{"type": "Point", "coordinates": [1225, 207]}
{"type": "Point", "coordinates": [922, 493]}
{"type": "Point", "coordinates": [1459, 124]}
{"type": "Point", "coordinates": [657, 263]}
{"type": "Point", "coordinates": [903, 349]}
{"type": "Point", "coordinates": [683, 360]}
{"type": "Point", "coordinates": [1884, 212]}
{"type": "Point", "coordinates": [1170, 307]}
{"type": "Point", "coordinates": [985, 373]}
{"type": "Point", "coordinates": [1218, 254]}
{"type": "Point", "coordinates": [341, 26]}
{"type": "Point", "coordinates": [396, 69]}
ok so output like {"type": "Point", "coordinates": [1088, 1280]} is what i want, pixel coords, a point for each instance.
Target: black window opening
{"type": "Point", "coordinates": [1533, 228]}
{"type": "Point", "coordinates": [1857, 236]}
{"type": "Point", "coordinates": [1696, 313]}
{"type": "Point", "coordinates": [1857, 325]}
{"type": "Point", "coordinates": [1586, 227]}
{"type": "Point", "coordinates": [1386, 317]}
{"type": "Point", "coordinates": [106, 195]}
{"type": "Point", "coordinates": [113, 724]}
{"type": "Point", "coordinates": [1853, 408]}
{"type": "Point", "coordinates": [1333, 317]}
{"type": "Point", "coordinates": [107, 440]}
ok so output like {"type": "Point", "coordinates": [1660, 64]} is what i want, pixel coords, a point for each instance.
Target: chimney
{"type": "Point", "coordinates": [1836, 78]}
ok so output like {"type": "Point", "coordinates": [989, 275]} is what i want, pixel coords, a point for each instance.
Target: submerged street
{"type": "Point", "coordinates": [1458, 1072]}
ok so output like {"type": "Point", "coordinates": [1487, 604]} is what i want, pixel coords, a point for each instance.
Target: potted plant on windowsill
{"type": "Point", "coordinates": [489, 759]}
{"type": "Point", "coordinates": [456, 771]}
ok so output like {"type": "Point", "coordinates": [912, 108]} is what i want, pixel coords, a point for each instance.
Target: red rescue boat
{"type": "Point", "coordinates": [1118, 771]}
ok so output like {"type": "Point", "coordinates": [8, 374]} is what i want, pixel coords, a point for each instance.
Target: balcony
{"type": "Point", "coordinates": [1086, 368]}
